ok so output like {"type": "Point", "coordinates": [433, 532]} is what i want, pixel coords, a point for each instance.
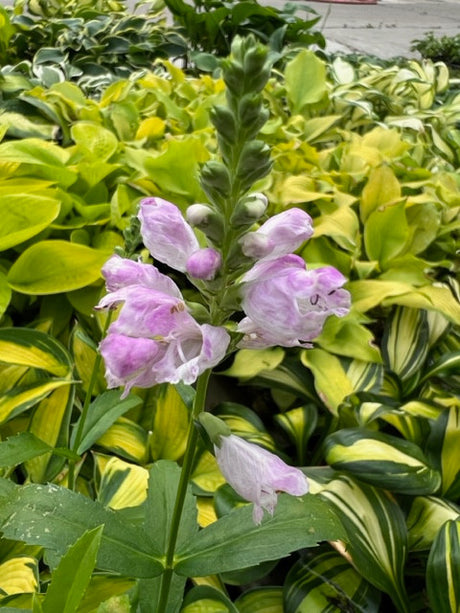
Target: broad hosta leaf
{"type": "Point", "coordinates": [386, 233]}
{"type": "Point", "coordinates": [248, 363]}
{"type": "Point", "coordinates": [299, 424]}
{"type": "Point", "coordinates": [405, 342]}
{"type": "Point", "coordinates": [126, 438]}
{"type": "Point", "coordinates": [377, 536]}
{"type": "Point", "coordinates": [122, 484]}
{"type": "Point", "coordinates": [55, 518]}
{"type": "Point", "coordinates": [443, 569]}
{"type": "Point", "coordinates": [170, 425]}
{"type": "Point", "coordinates": [444, 449]}
{"type": "Point", "coordinates": [314, 583]}
{"type": "Point", "coordinates": [33, 348]}
{"type": "Point", "coordinates": [19, 575]}
{"type": "Point", "coordinates": [21, 399]}
{"type": "Point", "coordinates": [97, 142]}
{"type": "Point", "coordinates": [23, 216]}
{"type": "Point", "coordinates": [382, 460]}
{"type": "Point", "coordinates": [102, 414]}
{"type": "Point", "coordinates": [261, 600]}
{"type": "Point", "coordinates": [305, 77]}
{"type": "Point", "coordinates": [206, 599]}
{"type": "Point", "coordinates": [72, 576]}
{"type": "Point", "coordinates": [55, 266]}
{"type": "Point", "coordinates": [426, 516]}
{"type": "Point", "coordinates": [235, 542]}
{"type": "Point", "coordinates": [382, 188]}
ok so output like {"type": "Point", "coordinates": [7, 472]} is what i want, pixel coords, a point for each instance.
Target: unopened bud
{"type": "Point", "coordinates": [215, 428]}
{"type": "Point", "coordinates": [206, 219]}
{"type": "Point", "coordinates": [204, 264]}
{"type": "Point", "coordinates": [249, 209]}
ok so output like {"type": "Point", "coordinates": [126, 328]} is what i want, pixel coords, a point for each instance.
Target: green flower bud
{"type": "Point", "coordinates": [255, 60]}
{"type": "Point", "coordinates": [249, 209]}
{"type": "Point", "coordinates": [254, 163]}
{"type": "Point", "coordinates": [215, 175]}
{"type": "Point", "coordinates": [215, 427]}
{"type": "Point", "coordinates": [206, 219]}
{"type": "Point", "coordinates": [224, 122]}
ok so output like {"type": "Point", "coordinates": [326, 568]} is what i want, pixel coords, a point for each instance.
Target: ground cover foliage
{"type": "Point", "coordinates": [371, 412]}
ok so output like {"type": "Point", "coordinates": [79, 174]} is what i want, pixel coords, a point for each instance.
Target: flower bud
{"type": "Point", "coordinates": [204, 264]}
{"type": "Point", "coordinates": [249, 209]}
{"type": "Point", "coordinates": [215, 428]}
{"type": "Point", "coordinates": [206, 219]}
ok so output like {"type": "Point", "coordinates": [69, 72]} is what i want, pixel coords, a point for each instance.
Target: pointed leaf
{"type": "Point", "coordinates": [443, 569]}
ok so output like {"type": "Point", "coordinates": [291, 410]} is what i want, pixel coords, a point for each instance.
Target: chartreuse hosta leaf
{"type": "Point", "coordinates": [170, 425]}
{"type": "Point", "coordinates": [19, 575]}
{"type": "Point", "coordinates": [327, 582]}
{"type": "Point", "coordinates": [207, 599]}
{"type": "Point", "coordinates": [376, 535]}
{"type": "Point", "coordinates": [126, 438]}
{"type": "Point", "coordinates": [382, 460]}
{"type": "Point", "coordinates": [55, 517]}
{"type": "Point", "coordinates": [349, 376]}
{"type": "Point", "coordinates": [405, 342]}
{"type": "Point", "coordinates": [102, 588]}
{"type": "Point", "coordinates": [122, 484]}
{"type": "Point", "coordinates": [426, 516]}
{"type": "Point", "coordinates": [443, 569]}
{"type": "Point", "coordinates": [299, 424]}
{"type": "Point", "coordinates": [444, 448]}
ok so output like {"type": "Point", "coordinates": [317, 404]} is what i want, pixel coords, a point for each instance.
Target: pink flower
{"type": "Point", "coordinates": [279, 235]}
{"type": "Point", "coordinates": [256, 474]}
{"type": "Point", "coordinates": [154, 339]}
{"type": "Point", "coordinates": [171, 240]}
{"type": "Point", "coordinates": [287, 305]}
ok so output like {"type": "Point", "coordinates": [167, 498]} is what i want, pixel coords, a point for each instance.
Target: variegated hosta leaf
{"type": "Point", "coordinates": [84, 351]}
{"type": "Point", "coordinates": [170, 425]}
{"type": "Point", "coordinates": [405, 343]}
{"type": "Point", "coordinates": [426, 516]}
{"type": "Point", "coordinates": [19, 575]}
{"type": "Point", "coordinates": [245, 423]}
{"type": "Point", "coordinates": [206, 474]}
{"type": "Point", "coordinates": [382, 460]}
{"type": "Point", "coordinates": [443, 569]}
{"type": "Point", "coordinates": [261, 600]}
{"type": "Point", "coordinates": [122, 484]}
{"type": "Point", "coordinates": [444, 448]}
{"type": "Point", "coordinates": [126, 438]}
{"type": "Point", "coordinates": [328, 582]}
{"type": "Point", "coordinates": [299, 424]}
{"type": "Point", "coordinates": [377, 536]}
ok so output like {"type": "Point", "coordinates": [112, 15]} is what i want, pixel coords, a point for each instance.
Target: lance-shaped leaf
{"type": "Point", "coordinates": [235, 542]}
{"type": "Point", "coordinates": [261, 600]}
{"type": "Point", "coordinates": [55, 518]}
{"type": "Point", "coordinates": [383, 460]}
{"type": "Point", "coordinates": [313, 584]}
{"type": "Point", "coordinates": [443, 569]}
{"type": "Point", "coordinates": [444, 449]}
{"type": "Point", "coordinates": [377, 536]}
{"type": "Point", "coordinates": [426, 516]}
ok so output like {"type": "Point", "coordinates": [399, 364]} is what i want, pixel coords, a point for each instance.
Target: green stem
{"type": "Point", "coordinates": [84, 412]}
{"type": "Point", "coordinates": [187, 465]}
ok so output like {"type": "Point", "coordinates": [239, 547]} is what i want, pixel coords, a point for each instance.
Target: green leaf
{"type": "Point", "coordinates": [54, 517]}
{"type": "Point", "coordinates": [22, 447]}
{"type": "Point", "coordinates": [248, 363]}
{"type": "Point", "coordinates": [261, 600]}
{"type": "Point", "coordinates": [305, 78]}
{"type": "Point", "coordinates": [235, 542]}
{"type": "Point", "coordinates": [102, 414]}
{"type": "Point", "coordinates": [97, 142]}
{"type": "Point", "coordinates": [72, 576]}
{"type": "Point", "coordinates": [314, 583]}
{"type": "Point", "coordinates": [382, 460]}
{"type": "Point", "coordinates": [24, 215]}
{"type": "Point", "coordinates": [386, 233]}
{"type": "Point", "coordinates": [426, 517]}
{"type": "Point", "coordinates": [444, 450]}
{"type": "Point", "coordinates": [209, 599]}
{"type": "Point", "coordinates": [443, 569]}
{"type": "Point", "coordinates": [381, 189]}
{"type": "Point", "coordinates": [51, 267]}
{"type": "Point", "coordinates": [377, 537]}
{"type": "Point", "coordinates": [5, 294]}
{"type": "Point", "coordinates": [122, 485]}
{"type": "Point", "coordinates": [101, 588]}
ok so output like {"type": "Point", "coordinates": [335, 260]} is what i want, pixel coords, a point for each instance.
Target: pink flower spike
{"type": "Point", "coordinates": [168, 237]}
{"type": "Point", "coordinates": [279, 235]}
{"type": "Point", "coordinates": [257, 475]}
{"type": "Point", "coordinates": [204, 264]}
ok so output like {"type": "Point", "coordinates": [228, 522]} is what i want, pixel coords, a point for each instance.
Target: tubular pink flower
{"type": "Point", "coordinates": [287, 305]}
{"type": "Point", "coordinates": [154, 339]}
{"type": "Point", "coordinates": [204, 264]}
{"type": "Point", "coordinates": [257, 475]}
{"type": "Point", "coordinates": [279, 235]}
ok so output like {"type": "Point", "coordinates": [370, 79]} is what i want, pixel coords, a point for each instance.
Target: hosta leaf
{"type": "Point", "coordinates": [5, 294]}
{"type": "Point", "coordinates": [206, 599]}
{"type": "Point", "coordinates": [55, 518]}
{"type": "Point", "coordinates": [72, 576]}
{"type": "Point", "coordinates": [426, 516]}
{"type": "Point", "coordinates": [313, 584]}
{"type": "Point", "coordinates": [33, 348]}
{"type": "Point", "coordinates": [96, 141]}
{"type": "Point", "coordinates": [444, 449]}
{"type": "Point", "coordinates": [126, 438]}
{"type": "Point", "coordinates": [305, 78]}
{"type": "Point", "coordinates": [443, 569]}
{"type": "Point", "coordinates": [21, 399]}
{"type": "Point", "coordinates": [122, 484]}
{"type": "Point", "coordinates": [261, 600]}
{"type": "Point", "coordinates": [84, 352]}
{"type": "Point", "coordinates": [245, 423]}
{"type": "Point", "coordinates": [299, 424]}
{"type": "Point", "coordinates": [249, 363]}
{"type": "Point", "coordinates": [405, 342]}
{"type": "Point", "coordinates": [386, 233]}
{"type": "Point", "coordinates": [377, 536]}
{"type": "Point", "coordinates": [382, 460]}
{"type": "Point", "coordinates": [19, 575]}
{"type": "Point", "coordinates": [170, 425]}
{"type": "Point", "coordinates": [235, 542]}
{"type": "Point", "coordinates": [382, 188]}
{"type": "Point", "coordinates": [101, 588]}
{"type": "Point", "coordinates": [347, 336]}
{"type": "Point", "coordinates": [23, 216]}
{"type": "Point", "coordinates": [55, 266]}
{"type": "Point", "coordinates": [206, 475]}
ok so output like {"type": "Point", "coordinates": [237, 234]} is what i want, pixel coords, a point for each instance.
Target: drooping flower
{"type": "Point", "coordinates": [154, 339]}
{"type": "Point", "coordinates": [286, 304]}
{"type": "Point", "coordinates": [279, 235]}
{"type": "Point", "coordinates": [256, 474]}
{"type": "Point", "coordinates": [171, 240]}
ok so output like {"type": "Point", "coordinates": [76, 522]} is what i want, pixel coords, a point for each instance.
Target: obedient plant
{"type": "Point", "coordinates": [253, 292]}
